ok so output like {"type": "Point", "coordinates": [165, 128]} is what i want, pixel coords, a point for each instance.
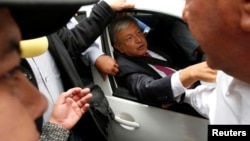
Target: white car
{"type": "Point", "coordinates": [133, 120]}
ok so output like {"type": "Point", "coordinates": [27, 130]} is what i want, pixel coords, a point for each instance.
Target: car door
{"type": "Point", "coordinates": [135, 121]}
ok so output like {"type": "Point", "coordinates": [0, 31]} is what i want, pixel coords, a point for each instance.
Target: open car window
{"type": "Point", "coordinates": [172, 35]}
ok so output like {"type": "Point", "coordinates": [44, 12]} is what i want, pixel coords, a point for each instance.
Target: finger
{"type": "Point", "coordinates": [70, 93]}
{"type": "Point", "coordinates": [128, 5]}
{"type": "Point", "coordinates": [112, 73]}
{"type": "Point", "coordinates": [104, 76]}
{"type": "Point", "coordinates": [115, 70]}
{"type": "Point", "coordinates": [84, 100]}
{"type": "Point", "coordinates": [85, 91]}
{"type": "Point", "coordinates": [85, 108]}
{"type": "Point", "coordinates": [116, 65]}
{"type": "Point", "coordinates": [80, 94]}
{"type": "Point", "coordinates": [78, 108]}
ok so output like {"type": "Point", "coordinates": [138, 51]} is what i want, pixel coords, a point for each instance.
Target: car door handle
{"type": "Point", "coordinates": [126, 122]}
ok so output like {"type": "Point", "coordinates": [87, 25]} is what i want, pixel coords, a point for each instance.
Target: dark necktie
{"type": "Point", "coordinates": [166, 70]}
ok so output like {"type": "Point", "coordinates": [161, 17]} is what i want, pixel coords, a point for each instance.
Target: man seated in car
{"type": "Point", "coordinates": [149, 84]}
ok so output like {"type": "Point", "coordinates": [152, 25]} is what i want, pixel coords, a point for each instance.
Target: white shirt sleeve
{"type": "Point", "coordinates": [176, 84]}
{"type": "Point", "coordinates": [92, 53]}
{"type": "Point", "coordinates": [177, 88]}
{"type": "Point", "coordinates": [202, 98]}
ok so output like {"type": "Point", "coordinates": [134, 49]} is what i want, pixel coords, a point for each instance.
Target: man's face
{"type": "Point", "coordinates": [202, 21]}
{"type": "Point", "coordinates": [131, 41]}
{"type": "Point", "coordinates": [20, 102]}
{"type": "Point", "coordinates": [215, 24]}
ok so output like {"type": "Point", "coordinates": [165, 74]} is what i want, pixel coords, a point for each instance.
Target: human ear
{"type": "Point", "coordinates": [245, 17]}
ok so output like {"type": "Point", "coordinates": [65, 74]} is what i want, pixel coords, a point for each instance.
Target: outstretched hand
{"type": "Point", "coordinates": [106, 65]}
{"type": "Point", "coordinates": [199, 71]}
{"type": "Point", "coordinates": [70, 106]}
{"type": "Point", "coordinates": [118, 5]}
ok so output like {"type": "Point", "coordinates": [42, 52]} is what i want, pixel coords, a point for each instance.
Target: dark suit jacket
{"type": "Point", "coordinates": [66, 45]}
{"type": "Point", "coordinates": [143, 81]}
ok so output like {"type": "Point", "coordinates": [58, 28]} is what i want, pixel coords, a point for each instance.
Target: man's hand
{"type": "Point", "coordinates": [70, 106]}
{"type": "Point", "coordinates": [118, 5]}
{"type": "Point", "coordinates": [106, 65]}
{"type": "Point", "coordinates": [196, 72]}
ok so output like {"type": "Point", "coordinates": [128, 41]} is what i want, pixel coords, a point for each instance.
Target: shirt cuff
{"type": "Point", "coordinates": [92, 53]}
{"type": "Point", "coordinates": [177, 87]}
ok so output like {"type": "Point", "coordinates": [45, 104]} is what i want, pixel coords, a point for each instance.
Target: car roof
{"type": "Point", "coordinates": [171, 7]}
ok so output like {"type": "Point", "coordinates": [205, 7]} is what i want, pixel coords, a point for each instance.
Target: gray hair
{"type": "Point", "coordinates": [119, 24]}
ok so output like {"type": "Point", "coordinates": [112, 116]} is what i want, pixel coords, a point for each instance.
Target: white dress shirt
{"type": "Point", "coordinates": [48, 76]}
{"type": "Point", "coordinates": [93, 52]}
{"type": "Point", "coordinates": [225, 103]}
{"type": "Point", "coordinates": [48, 79]}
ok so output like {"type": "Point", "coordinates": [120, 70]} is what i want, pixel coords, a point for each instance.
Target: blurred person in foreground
{"type": "Point", "coordinates": [21, 103]}
{"type": "Point", "coordinates": [226, 45]}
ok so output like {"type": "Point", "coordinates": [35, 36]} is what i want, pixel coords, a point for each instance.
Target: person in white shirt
{"type": "Point", "coordinates": [48, 76]}
{"type": "Point", "coordinates": [222, 29]}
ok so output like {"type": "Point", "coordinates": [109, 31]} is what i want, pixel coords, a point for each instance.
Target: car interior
{"type": "Point", "coordinates": [163, 27]}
